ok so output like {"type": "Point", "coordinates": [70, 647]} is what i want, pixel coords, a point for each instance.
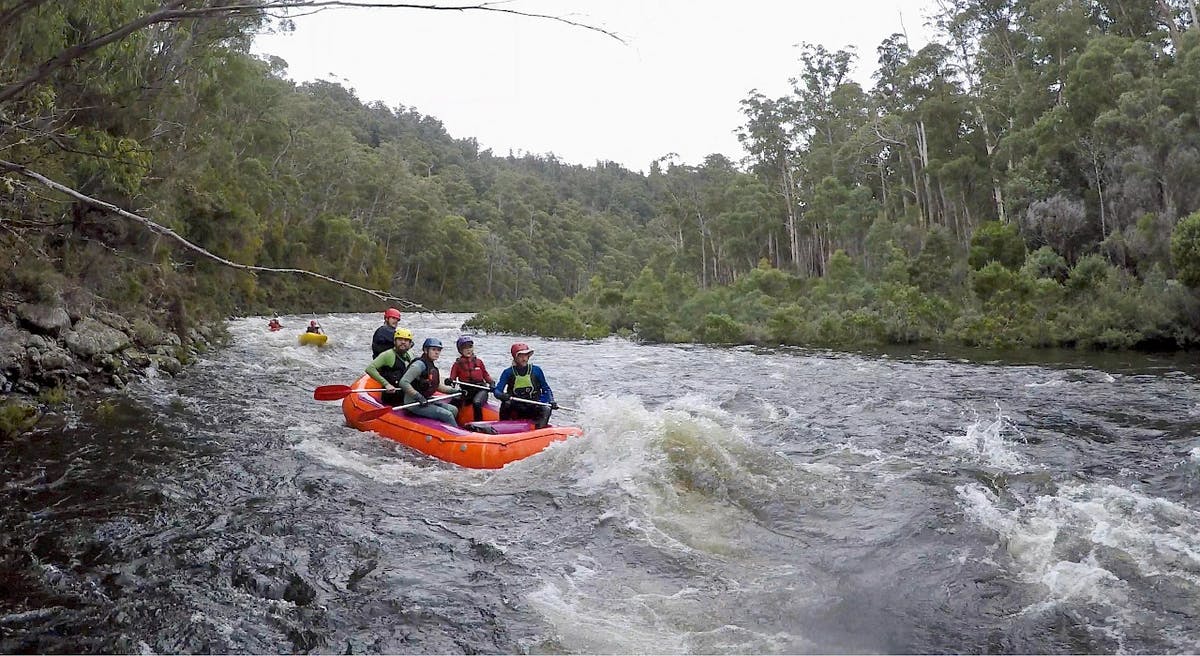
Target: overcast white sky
{"type": "Point", "coordinates": [531, 85]}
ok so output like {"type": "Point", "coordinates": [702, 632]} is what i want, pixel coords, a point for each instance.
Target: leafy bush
{"type": "Point", "coordinates": [1185, 250]}
{"type": "Point", "coordinates": [16, 417]}
{"type": "Point", "coordinates": [721, 329]}
{"type": "Point", "coordinates": [995, 284]}
{"type": "Point", "coordinates": [929, 271]}
{"type": "Point", "coordinates": [1089, 274]}
{"type": "Point", "coordinates": [996, 242]}
{"type": "Point", "coordinates": [1045, 263]}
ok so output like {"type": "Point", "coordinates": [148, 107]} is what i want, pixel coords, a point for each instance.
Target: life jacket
{"type": "Point", "coordinates": [524, 386]}
{"type": "Point", "coordinates": [472, 369]}
{"type": "Point", "coordinates": [313, 329]}
{"type": "Point", "coordinates": [383, 339]}
{"type": "Point", "coordinates": [394, 373]}
{"type": "Point", "coordinates": [428, 382]}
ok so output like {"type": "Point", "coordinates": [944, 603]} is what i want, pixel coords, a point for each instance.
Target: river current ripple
{"type": "Point", "coordinates": [721, 500]}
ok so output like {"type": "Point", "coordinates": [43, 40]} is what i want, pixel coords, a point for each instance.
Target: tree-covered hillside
{"type": "Point", "coordinates": [1024, 179]}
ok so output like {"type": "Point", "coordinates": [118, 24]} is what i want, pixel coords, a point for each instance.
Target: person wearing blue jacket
{"type": "Point", "coordinates": [523, 390]}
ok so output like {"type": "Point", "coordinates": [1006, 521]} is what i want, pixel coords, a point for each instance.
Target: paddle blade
{"type": "Point", "coordinates": [332, 392]}
{"type": "Point", "coordinates": [375, 413]}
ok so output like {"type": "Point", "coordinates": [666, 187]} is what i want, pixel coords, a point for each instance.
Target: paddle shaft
{"type": "Point", "coordinates": [515, 398]}
{"type": "Point", "coordinates": [379, 412]}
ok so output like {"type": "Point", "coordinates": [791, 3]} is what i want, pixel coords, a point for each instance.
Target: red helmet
{"type": "Point", "coordinates": [520, 347]}
{"type": "Point", "coordinates": [313, 323]}
{"type": "Point", "coordinates": [391, 313]}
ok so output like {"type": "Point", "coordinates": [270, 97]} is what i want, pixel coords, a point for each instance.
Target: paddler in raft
{"type": "Point", "coordinates": [420, 382]}
{"type": "Point", "coordinates": [384, 335]}
{"type": "Point", "coordinates": [314, 328]}
{"type": "Point", "coordinates": [389, 366]}
{"type": "Point", "coordinates": [523, 390]}
{"type": "Point", "coordinates": [469, 369]}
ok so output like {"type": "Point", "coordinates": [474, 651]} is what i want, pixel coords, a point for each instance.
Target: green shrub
{"type": "Point", "coordinates": [56, 395]}
{"type": "Point", "coordinates": [1045, 263]}
{"type": "Point", "coordinates": [930, 271]}
{"type": "Point", "coordinates": [16, 417]}
{"type": "Point", "coordinates": [1090, 273]}
{"type": "Point", "coordinates": [721, 329]}
{"type": "Point", "coordinates": [999, 242]}
{"type": "Point", "coordinates": [1185, 250]}
{"type": "Point", "coordinates": [995, 283]}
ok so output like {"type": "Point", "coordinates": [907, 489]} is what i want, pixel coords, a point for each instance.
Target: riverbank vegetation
{"type": "Point", "coordinates": [1022, 180]}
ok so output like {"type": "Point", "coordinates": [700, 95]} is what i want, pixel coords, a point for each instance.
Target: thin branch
{"type": "Point", "coordinates": [7, 16]}
{"type": "Point", "coordinates": [165, 231]}
{"type": "Point", "coordinates": [171, 12]}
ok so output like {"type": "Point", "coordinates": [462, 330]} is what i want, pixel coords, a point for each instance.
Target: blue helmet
{"type": "Point", "coordinates": [463, 342]}
{"type": "Point", "coordinates": [432, 342]}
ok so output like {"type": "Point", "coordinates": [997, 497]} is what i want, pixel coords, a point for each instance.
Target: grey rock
{"type": "Point", "coordinates": [46, 319]}
{"type": "Point", "coordinates": [113, 320]}
{"type": "Point", "coordinates": [136, 358]}
{"type": "Point", "coordinates": [111, 363]}
{"type": "Point", "coordinates": [36, 342]}
{"type": "Point", "coordinates": [54, 356]}
{"type": "Point", "coordinates": [12, 348]}
{"type": "Point", "coordinates": [166, 364]}
{"type": "Point", "coordinates": [91, 337]}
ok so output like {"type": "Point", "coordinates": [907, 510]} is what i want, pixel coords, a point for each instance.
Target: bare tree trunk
{"type": "Point", "coordinates": [916, 185]}
{"type": "Point", "coordinates": [923, 151]}
{"type": "Point", "coordinates": [1100, 190]}
{"type": "Point", "coordinates": [793, 236]}
{"type": "Point", "coordinates": [1168, 19]}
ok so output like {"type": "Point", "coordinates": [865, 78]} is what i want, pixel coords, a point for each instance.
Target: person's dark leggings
{"type": "Point", "coordinates": [477, 401]}
{"type": "Point", "coordinates": [538, 414]}
{"type": "Point", "coordinates": [392, 397]}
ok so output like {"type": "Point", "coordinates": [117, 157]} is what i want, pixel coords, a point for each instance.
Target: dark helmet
{"type": "Point", "coordinates": [432, 342]}
{"type": "Point", "coordinates": [520, 347]}
{"type": "Point", "coordinates": [463, 342]}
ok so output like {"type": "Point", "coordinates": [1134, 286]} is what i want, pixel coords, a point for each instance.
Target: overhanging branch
{"type": "Point", "coordinates": [167, 232]}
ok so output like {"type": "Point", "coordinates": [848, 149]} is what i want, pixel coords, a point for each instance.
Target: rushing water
{"type": "Point", "coordinates": [721, 500]}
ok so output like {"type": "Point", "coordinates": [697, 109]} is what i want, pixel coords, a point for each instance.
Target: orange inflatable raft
{"type": "Point", "coordinates": [513, 439]}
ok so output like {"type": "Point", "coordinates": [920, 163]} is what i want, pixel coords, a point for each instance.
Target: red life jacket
{"type": "Point", "coordinates": [472, 369]}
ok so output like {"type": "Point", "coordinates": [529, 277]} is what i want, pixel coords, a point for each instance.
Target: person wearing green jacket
{"type": "Point", "coordinates": [388, 367]}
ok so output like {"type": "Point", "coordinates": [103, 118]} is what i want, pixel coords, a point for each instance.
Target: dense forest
{"type": "Point", "coordinates": [1031, 177]}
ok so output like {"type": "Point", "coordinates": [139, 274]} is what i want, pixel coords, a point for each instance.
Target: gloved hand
{"type": "Point", "coordinates": [503, 396]}
{"type": "Point", "coordinates": [553, 405]}
{"type": "Point", "coordinates": [421, 399]}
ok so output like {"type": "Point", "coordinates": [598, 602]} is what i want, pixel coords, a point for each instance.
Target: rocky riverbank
{"type": "Point", "coordinates": [52, 350]}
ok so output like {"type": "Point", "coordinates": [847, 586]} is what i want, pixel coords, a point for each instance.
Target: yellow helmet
{"type": "Point", "coordinates": [404, 333]}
